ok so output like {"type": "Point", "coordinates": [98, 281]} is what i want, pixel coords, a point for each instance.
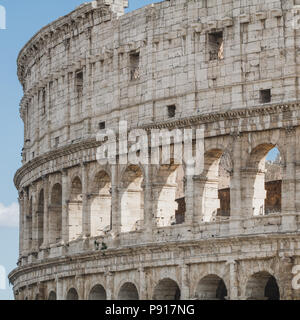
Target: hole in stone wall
{"type": "Point", "coordinates": [56, 142]}
{"type": "Point", "coordinates": [265, 96]}
{"type": "Point", "coordinates": [134, 65]}
{"type": "Point", "coordinates": [171, 111]}
{"type": "Point", "coordinates": [216, 46]}
{"type": "Point", "coordinates": [79, 83]}
{"type": "Point", "coordinates": [102, 125]}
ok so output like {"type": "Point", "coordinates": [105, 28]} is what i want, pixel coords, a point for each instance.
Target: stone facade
{"type": "Point", "coordinates": [110, 232]}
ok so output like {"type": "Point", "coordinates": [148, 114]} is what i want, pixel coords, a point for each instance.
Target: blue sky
{"type": "Point", "coordinates": [23, 19]}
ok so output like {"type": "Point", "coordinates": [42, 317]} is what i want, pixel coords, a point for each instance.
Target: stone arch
{"type": "Point", "coordinates": [132, 199]}
{"type": "Point", "coordinates": [262, 194]}
{"type": "Point", "coordinates": [55, 214]}
{"type": "Point", "coordinates": [169, 195]}
{"type": "Point", "coordinates": [211, 287]}
{"type": "Point", "coordinates": [128, 291]}
{"type": "Point", "coordinates": [100, 203]}
{"type": "Point", "coordinates": [72, 294]}
{"type": "Point", "coordinates": [167, 289]}
{"type": "Point", "coordinates": [40, 217]}
{"type": "Point", "coordinates": [262, 286]}
{"type": "Point", "coordinates": [97, 293]}
{"type": "Point", "coordinates": [52, 296]}
{"type": "Point", "coordinates": [213, 186]}
{"type": "Point", "coordinates": [75, 209]}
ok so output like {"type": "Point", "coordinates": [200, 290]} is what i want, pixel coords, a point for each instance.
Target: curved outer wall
{"type": "Point", "coordinates": [98, 65]}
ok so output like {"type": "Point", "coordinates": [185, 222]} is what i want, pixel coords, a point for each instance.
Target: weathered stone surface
{"type": "Point", "coordinates": [91, 231]}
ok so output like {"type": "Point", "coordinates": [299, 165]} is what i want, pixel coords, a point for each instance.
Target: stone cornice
{"type": "Point", "coordinates": [155, 248]}
{"type": "Point", "coordinates": [179, 123]}
{"type": "Point", "coordinates": [221, 116]}
{"type": "Point", "coordinates": [52, 155]}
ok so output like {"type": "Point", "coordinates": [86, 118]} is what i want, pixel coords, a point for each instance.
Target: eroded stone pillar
{"type": "Point", "coordinates": [143, 288]}
{"type": "Point", "coordinates": [109, 278]}
{"type": "Point", "coordinates": [21, 222]}
{"type": "Point", "coordinates": [115, 212]}
{"type": "Point", "coordinates": [233, 290]}
{"type": "Point", "coordinates": [288, 195]}
{"type": "Point", "coordinates": [148, 209]}
{"type": "Point", "coordinates": [86, 221]}
{"type": "Point", "coordinates": [35, 243]}
{"type": "Point", "coordinates": [65, 200]}
{"type": "Point", "coordinates": [199, 187]}
{"type": "Point", "coordinates": [59, 289]}
{"type": "Point", "coordinates": [235, 180]}
{"type": "Point", "coordinates": [46, 212]}
{"type": "Point", "coordinates": [25, 229]}
{"type": "Point", "coordinates": [189, 199]}
{"type": "Point", "coordinates": [185, 287]}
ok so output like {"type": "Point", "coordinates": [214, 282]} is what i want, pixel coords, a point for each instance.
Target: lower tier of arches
{"type": "Point", "coordinates": [232, 269]}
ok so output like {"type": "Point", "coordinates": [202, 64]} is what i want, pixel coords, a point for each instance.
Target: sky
{"type": "Point", "coordinates": [23, 19]}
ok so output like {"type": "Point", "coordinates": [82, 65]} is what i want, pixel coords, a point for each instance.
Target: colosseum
{"type": "Point", "coordinates": [116, 231]}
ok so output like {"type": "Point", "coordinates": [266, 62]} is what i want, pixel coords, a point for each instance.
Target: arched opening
{"type": "Point", "coordinates": [128, 291]}
{"type": "Point", "coordinates": [52, 296]}
{"type": "Point", "coordinates": [75, 210]}
{"type": "Point", "coordinates": [72, 295]}
{"type": "Point", "coordinates": [100, 204]}
{"type": "Point", "coordinates": [55, 214]}
{"type": "Point", "coordinates": [132, 200]}
{"type": "Point", "coordinates": [169, 190]}
{"type": "Point", "coordinates": [167, 289]}
{"type": "Point", "coordinates": [262, 286]}
{"type": "Point", "coordinates": [40, 216]}
{"type": "Point", "coordinates": [214, 186]}
{"type": "Point", "coordinates": [97, 293]}
{"type": "Point", "coordinates": [29, 225]}
{"type": "Point", "coordinates": [211, 287]}
{"type": "Point", "coordinates": [263, 181]}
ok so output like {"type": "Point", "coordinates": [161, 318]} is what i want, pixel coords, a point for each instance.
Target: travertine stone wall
{"type": "Point", "coordinates": [91, 231]}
